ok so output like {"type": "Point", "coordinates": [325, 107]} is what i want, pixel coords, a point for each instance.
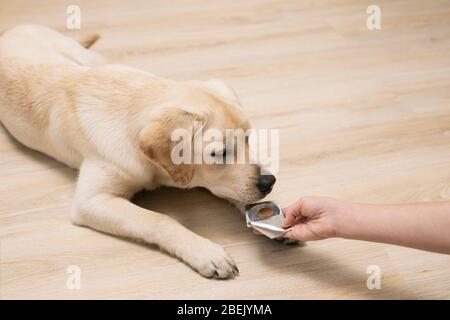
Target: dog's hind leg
{"type": "Point", "coordinates": [79, 52]}
{"type": "Point", "coordinates": [33, 44]}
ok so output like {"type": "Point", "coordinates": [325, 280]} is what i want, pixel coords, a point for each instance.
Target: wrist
{"type": "Point", "coordinates": [346, 219]}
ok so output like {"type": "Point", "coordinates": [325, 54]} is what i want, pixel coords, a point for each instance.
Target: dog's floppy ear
{"type": "Point", "coordinates": [155, 142]}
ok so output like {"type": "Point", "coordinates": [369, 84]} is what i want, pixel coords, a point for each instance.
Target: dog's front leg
{"type": "Point", "coordinates": [102, 203]}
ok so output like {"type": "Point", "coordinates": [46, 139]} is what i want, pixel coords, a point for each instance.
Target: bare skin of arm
{"type": "Point", "coordinates": [423, 226]}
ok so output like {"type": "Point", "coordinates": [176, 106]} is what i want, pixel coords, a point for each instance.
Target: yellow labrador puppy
{"type": "Point", "coordinates": [114, 124]}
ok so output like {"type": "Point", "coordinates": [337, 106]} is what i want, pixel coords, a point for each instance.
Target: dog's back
{"type": "Point", "coordinates": [33, 62]}
{"type": "Point", "coordinates": [59, 98]}
{"type": "Point", "coordinates": [32, 44]}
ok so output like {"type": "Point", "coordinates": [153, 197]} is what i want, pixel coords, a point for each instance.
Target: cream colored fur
{"type": "Point", "coordinates": [113, 123]}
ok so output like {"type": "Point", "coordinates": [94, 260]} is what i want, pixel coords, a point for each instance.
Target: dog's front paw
{"type": "Point", "coordinates": [210, 260]}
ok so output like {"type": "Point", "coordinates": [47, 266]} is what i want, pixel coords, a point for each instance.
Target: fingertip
{"type": "Point", "coordinates": [256, 232]}
{"type": "Point", "coordinates": [286, 223]}
{"type": "Point", "coordinates": [290, 235]}
{"type": "Point", "coordinates": [297, 233]}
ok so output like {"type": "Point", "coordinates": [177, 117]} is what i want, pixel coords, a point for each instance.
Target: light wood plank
{"type": "Point", "coordinates": [363, 116]}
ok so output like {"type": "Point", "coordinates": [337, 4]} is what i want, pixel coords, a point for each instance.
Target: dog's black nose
{"type": "Point", "coordinates": [265, 183]}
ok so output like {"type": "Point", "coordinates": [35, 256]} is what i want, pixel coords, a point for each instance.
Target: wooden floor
{"type": "Point", "coordinates": [363, 115]}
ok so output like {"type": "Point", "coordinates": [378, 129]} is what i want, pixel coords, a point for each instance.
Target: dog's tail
{"type": "Point", "coordinates": [89, 40]}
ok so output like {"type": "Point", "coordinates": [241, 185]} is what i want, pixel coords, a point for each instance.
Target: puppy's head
{"type": "Point", "coordinates": [197, 139]}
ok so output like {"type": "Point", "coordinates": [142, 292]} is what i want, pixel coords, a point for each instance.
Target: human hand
{"type": "Point", "coordinates": [313, 218]}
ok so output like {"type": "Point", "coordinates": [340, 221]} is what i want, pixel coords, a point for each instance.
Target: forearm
{"type": "Point", "coordinates": [422, 226]}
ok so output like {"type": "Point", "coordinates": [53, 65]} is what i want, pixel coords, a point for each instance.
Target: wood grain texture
{"type": "Point", "coordinates": [363, 116]}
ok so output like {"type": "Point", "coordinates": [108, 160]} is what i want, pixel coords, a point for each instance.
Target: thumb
{"type": "Point", "coordinates": [301, 232]}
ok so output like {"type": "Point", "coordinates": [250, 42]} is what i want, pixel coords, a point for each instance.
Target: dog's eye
{"type": "Point", "coordinates": [220, 153]}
